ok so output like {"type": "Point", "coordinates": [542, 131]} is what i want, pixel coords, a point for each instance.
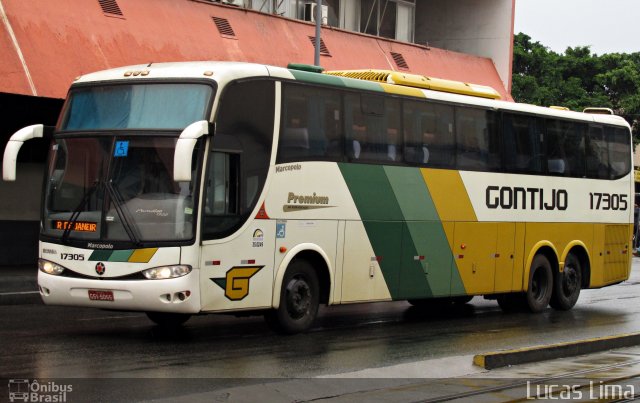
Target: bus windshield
{"type": "Point", "coordinates": [117, 188]}
{"type": "Point", "coordinates": [162, 106]}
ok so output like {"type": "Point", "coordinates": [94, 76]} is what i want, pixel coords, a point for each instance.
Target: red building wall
{"type": "Point", "coordinates": [62, 39]}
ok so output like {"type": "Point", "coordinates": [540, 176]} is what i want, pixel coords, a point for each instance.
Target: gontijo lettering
{"type": "Point", "coordinates": [507, 197]}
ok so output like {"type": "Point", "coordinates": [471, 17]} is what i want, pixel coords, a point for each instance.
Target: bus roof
{"type": "Point", "coordinates": [368, 80]}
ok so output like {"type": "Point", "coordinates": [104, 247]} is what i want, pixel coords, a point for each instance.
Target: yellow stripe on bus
{"type": "Point", "coordinates": [142, 255]}
{"type": "Point", "coordinates": [449, 195]}
{"type": "Point", "coordinates": [401, 90]}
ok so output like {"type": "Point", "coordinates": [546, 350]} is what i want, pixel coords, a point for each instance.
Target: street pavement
{"type": "Point", "coordinates": [453, 377]}
{"type": "Point", "coordinates": [19, 285]}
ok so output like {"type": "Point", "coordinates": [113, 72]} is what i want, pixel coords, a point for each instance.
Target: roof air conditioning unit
{"type": "Point", "coordinates": [310, 13]}
{"type": "Point", "coordinates": [232, 2]}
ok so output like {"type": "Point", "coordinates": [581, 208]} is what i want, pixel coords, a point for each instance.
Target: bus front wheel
{"type": "Point", "coordinates": [540, 287]}
{"type": "Point", "coordinates": [566, 288]}
{"type": "Point", "coordinates": [299, 300]}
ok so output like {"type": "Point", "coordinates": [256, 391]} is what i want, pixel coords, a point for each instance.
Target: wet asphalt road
{"type": "Point", "coordinates": [60, 342]}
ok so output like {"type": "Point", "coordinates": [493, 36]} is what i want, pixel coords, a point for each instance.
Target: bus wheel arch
{"type": "Point", "coordinates": [320, 262]}
{"type": "Point", "coordinates": [304, 283]}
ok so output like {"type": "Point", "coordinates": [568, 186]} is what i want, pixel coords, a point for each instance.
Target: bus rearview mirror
{"type": "Point", "coordinates": [184, 149]}
{"type": "Point", "coordinates": [13, 148]}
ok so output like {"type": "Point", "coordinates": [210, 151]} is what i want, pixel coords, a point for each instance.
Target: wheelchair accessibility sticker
{"type": "Point", "coordinates": [121, 149]}
{"type": "Point", "coordinates": [281, 229]}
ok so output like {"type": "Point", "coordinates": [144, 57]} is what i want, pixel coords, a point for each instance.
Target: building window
{"type": "Point", "coordinates": [387, 18]}
{"type": "Point", "coordinates": [306, 9]}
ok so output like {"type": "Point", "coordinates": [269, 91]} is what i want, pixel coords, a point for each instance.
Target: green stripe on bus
{"type": "Point", "coordinates": [326, 79]}
{"type": "Point", "coordinates": [121, 255]}
{"type": "Point", "coordinates": [99, 255]}
{"type": "Point", "coordinates": [371, 192]}
{"type": "Point", "coordinates": [405, 230]}
{"type": "Point", "coordinates": [430, 258]}
{"type": "Point", "coordinates": [381, 217]}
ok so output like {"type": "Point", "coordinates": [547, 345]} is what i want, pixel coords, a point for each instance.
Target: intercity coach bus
{"type": "Point", "coordinates": [218, 187]}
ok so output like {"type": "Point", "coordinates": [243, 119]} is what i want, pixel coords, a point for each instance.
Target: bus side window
{"type": "Point", "coordinates": [221, 207]}
{"type": "Point", "coordinates": [619, 145]}
{"type": "Point", "coordinates": [356, 127]}
{"type": "Point", "coordinates": [597, 154]}
{"type": "Point", "coordinates": [392, 146]}
{"type": "Point", "coordinates": [310, 127]}
{"type": "Point", "coordinates": [429, 137]}
{"type": "Point", "coordinates": [565, 145]}
{"type": "Point", "coordinates": [477, 141]}
{"type": "Point", "coordinates": [522, 144]}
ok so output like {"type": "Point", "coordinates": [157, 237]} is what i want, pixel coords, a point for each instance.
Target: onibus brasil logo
{"type": "Point", "coordinates": [24, 390]}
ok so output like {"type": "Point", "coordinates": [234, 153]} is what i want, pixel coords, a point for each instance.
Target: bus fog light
{"type": "Point", "coordinates": [48, 267]}
{"type": "Point", "coordinates": [165, 272]}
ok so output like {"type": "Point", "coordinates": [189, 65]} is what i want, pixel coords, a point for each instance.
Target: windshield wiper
{"type": "Point", "coordinates": [76, 212]}
{"type": "Point", "coordinates": [127, 223]}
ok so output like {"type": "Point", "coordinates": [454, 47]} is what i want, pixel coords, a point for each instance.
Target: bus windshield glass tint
{"type": "Point", "coordinates": [137, 106]}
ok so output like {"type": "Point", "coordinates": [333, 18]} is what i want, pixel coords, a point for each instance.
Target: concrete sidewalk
{"type": "Point", "coordinates": [19, 285]}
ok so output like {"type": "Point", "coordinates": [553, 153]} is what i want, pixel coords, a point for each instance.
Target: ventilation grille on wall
{"type": "Point", "coordinates": [110, 7]}
{"type": "Point", "coordinates": [324, 50]}
{"type": "Point", "coordinates": [399, 60]}
{"type": "Point", "coordinates": [224, 27]}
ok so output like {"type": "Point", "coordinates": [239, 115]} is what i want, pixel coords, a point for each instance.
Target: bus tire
{"type": "Point", "coordinates": [566, 288]}
{"type": "Point", "coordinates": [299, 300]}
{"type": "Point", "coordinates": [540, 287]}
{"type": "Point", "coordinates": [168, 319]}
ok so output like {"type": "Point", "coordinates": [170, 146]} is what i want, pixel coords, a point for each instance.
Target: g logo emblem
{"type": "Point", "coordinates": [236, 282]}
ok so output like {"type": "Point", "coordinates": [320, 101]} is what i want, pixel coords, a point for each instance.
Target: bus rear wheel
{"type": "Point", "coordinates": [299, 300]}
{"type": "Point", "coordinates": [168, 319]}
{"type": "Point", "coordinates": [566, 288]}
{"type": "Point", "coordinates": [540, 287]}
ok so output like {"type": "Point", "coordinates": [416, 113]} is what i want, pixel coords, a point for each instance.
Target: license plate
{"type": "Point", "coordinates": [100, 295]}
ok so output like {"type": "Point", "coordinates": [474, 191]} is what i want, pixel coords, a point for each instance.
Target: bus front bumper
{"type": "Point", "coordinates": [179, 295]}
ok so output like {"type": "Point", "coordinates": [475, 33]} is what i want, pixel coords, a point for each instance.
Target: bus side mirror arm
{"type": "Point", "coordinates": [15, 143]}
{"type": "Point", "coordinates": [184, 150]}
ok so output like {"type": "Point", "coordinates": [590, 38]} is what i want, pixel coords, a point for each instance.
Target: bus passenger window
{"type": "Point", "coordinates": [428, 130]}
{"type": "Point", "coordinates": [356, 127]}
{"type": "Point", "coordinates": [522, 145]}
{"type": "Point", "coordinates": [477, 140]}
{"type": "Point", "coordinates": [619, 151]}
{"type": "Point", "coordinates": [310, 124]}
{"type": "Point", "coordinates": [565, 145]}
{"type": "Point", "coordinates": [393, 138]}
{"type": "Point", "coordinates": [597, 154]}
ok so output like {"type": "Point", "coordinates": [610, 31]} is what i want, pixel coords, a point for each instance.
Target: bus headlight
{"type": "Point", "coordinates": [164, 272]}
{"type": "Point", "coordinates": [48, 267]}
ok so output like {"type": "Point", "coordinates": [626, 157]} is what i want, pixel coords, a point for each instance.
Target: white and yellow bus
{"type": "Point", "coordinates": [215, 187]}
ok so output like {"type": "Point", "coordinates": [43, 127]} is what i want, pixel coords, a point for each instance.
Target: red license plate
{"type": "Point", "coordinates": [100, 295]}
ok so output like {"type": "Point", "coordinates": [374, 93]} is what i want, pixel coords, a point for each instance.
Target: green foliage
{"type": "Point", "coordinates": [577, 79]}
